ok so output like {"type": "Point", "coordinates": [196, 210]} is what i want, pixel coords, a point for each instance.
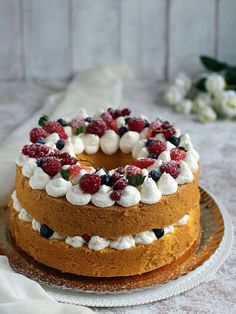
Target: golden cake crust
{"type": "Point", "coordinates": [71, 220]}
{"type": "Point", "coordinates": [107, 262]}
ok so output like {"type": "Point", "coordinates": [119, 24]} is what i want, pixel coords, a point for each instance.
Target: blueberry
{"type": "Point", "coordinates": [62, 122]}
{"type": "Point", "coordinates": [158, 233]}
{"type": "Point", "coordinates": [40, 162]}
{"type": "Point", "coordinates": [106, 179]}
{"type": "Point", "coordinates": [147, 123]}
{"type": "Point", "coordinates": [149, 141]}
{"type": "Point", "coordinates": [88, 119]}
{"type": "Point", "coordinates": [60, 144]}
{"type": "Point", "coordinates": [122, 130]}
{"type": "Point", "coordinates": [155, 174]}
{"type": "Point", "coordinates": [46, 232]}
{"type": "Point", "coordinates": [127, 120]}
{"type": "Point", "coordinates": [40, 140]}
{"type": "Point", "coordinates": [174, 140]}
{"type": "Point", "coordinates": [153, 156]}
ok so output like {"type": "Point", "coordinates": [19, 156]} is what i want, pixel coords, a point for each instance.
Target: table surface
{"type": "Point", "coordinates": [217, 147]}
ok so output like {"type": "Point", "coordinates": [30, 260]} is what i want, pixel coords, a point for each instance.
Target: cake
{"type": "Point", "coordinates": [106, 196]}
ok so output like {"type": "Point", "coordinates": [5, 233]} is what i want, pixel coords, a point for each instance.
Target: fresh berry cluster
{"type": "Point", "coordinates": [165, 128]}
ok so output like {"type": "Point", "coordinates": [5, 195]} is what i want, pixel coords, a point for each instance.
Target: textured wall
{"type": "Point", "coordinates": [51, 39]}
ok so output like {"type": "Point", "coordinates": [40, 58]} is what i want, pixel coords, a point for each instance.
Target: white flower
{"type": "Point", "coordinates": [183, 82]}
{"type": "Point", "coordinates": [173, 95]}
{"type": "Point", "coordinates": [215, 83]}
{"type": "Point", "coordinates": [185, 106]}
{"type": "Point", "coordinates": [206, 115]}
{"type": "Point", "coordinates": [225, 103]}
{"type": "Point", "coordinates": [202, 101]}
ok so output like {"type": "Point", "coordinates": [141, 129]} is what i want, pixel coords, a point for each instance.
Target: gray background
{"type": "Point", "coordinates": [51, 39]}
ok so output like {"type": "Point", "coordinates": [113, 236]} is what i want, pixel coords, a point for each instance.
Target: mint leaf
{"type": "Point", "coordinates": [65, 174]}
{"type": "Point", "coordinates": [212, 64]}
{"type": "Point", "coordinates": [136, 180]}
{"type": "Point", "coordinates": [79, 130]}
{"type": "Point", "coordinates": [42, 120]}
{"type": "Point", "coordinates": [200, 84]}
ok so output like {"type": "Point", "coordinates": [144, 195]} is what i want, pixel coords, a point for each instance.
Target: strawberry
{"type": "Point", "coordinates": [143, 163]}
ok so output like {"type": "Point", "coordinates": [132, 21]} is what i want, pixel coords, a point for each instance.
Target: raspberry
{"type": "Point", "coordinates": [110, 122]}
{"type": "Point", "coordinates": [143, 163]}
{"type": "Point", "coordinates": [121, 184]}
{"type": "Point", "coordinates": [156, 147]}
{"type": "Point", "coordinates": [133, 170]}
{"type": "Point", "coordinates": [177, 154]}
{"type": "Point", "coordinates": [55, 127]}
{"type": "Point", "coordinates": [51, 166]}
{"type": "Point", "coordinates": [90, 183]}
{"type": "Point", "coordinates": [35, 150]}
{"type": "Point", "coordinates": [136, 124]}
{"type": "Point", "coordinates": [168, 133]}
{"type": "Point", "coordinates": [116, 114]}
{"type": "Point", "coordinates": [97, 127]}
{"type": "Point", "coordinates": [86, 237]}
{"type": "Point", "coordinates": [170, 167]}
{"type": "Point", "coordinates": [36, 133]}
{"type": "Point", "coordinates": [115, 195]}
{"type": "Point", "coordinates": [69, 161]}
{"type": "Point", "coordinates": [125, 112]}
{"type": "Point", "coordinates": [156, 125]}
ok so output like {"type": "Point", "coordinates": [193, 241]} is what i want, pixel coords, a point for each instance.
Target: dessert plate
{"type": "Point", "coordinates": [196, 266]}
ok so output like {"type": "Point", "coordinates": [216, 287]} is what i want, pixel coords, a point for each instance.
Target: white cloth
{"type": "Point", "coordinates": [20, 295]}
{"type": "Point", "coordinates": [92, 89]}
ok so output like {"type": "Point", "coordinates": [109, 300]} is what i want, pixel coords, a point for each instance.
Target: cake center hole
{"type": "Point", "coordinates": [101, 160]}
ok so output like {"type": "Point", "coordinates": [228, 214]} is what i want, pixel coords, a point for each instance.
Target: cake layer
{"type": "Point", "coordinates": [107, 262]}
{"type": "Point", "coordinates": [110, 222]}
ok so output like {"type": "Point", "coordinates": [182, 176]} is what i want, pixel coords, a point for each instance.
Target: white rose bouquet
{"type": "Point", "coordinates": [212, 96]}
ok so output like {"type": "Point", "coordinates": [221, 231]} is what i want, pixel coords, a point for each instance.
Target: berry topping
{"type": "Point", "coordinates": [115, 177]}
{"type": "Point", "coordinates": [62, 122]}
{"type": "Point", "coordinates": [46, 232]}
{"type": "Point", "coordinates": [52, 127]}
{"type": "Point", "coordinates": [69, 161]}
{"type": "Point", "coordinates": [120, 170]}
{"type": "Point", "coordinates": [177, 154]}
{"type": "Point", "coordinates": [72, 171]}
{"type": "Point", "coordinates": [156, 147]}
{"type": "Point", "coordinates": [122, 130]}
{"type": "Point", "coordinates": [170, 167]}
{"type": "Point", "coordinates": [40, 140]}
{"type": "Point", "coordinates": [37, 133]}
{"type": "Point", "coordinates": [40, 162]}
{"type": "Point", "coordinates": [115, 195]}
{"type": "Point", "coordinates": [174, 140]}
{"type": "Point", "coordinates": [86, 237]}
{"type": "Point", "coordinates": [155, 174]}
{"type": "Point", "coordinates": [97, 127]}
{"type": "Point", "coordinates": [155, 125]}
{"type": "Point", "coordinates": [158, 233]}
{"type": "Point", "coordinates": [143, 163]}
{"type": "Point", "coordinates": [51, 166]}
{"type": "Point", "coordinates": [147, 123]}
{"type": "Point", "coordinates": [109, 121]}
{"type": "Point", "coordinates": [127, 120]}
{"type": "Point", "coordinates": [148, 142]}
{"type": "Point", "coordinates": [106, 179]}
{"type": "Point", "coordinates": [136, 124]}
{"type": "Point", "coordinates": [60, 144]}
{"type": "Point", "coordinates": [153, 156]}
{"type": "Point", "coordinates": [35, 150]}
{"type": "Point", "coordinates": [133, 170]}
{"type": "Point", "coordinates": [88, 119]}
{"type": "Point", "coordinates": [121, 184]}
{"type": "Point", "coordinates": [90, 183]}
{"type": "Point", "coordinates": [125, 112]}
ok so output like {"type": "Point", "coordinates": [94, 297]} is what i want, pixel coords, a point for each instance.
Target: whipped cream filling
{"type": "Point", "coordinates": [98, 243]}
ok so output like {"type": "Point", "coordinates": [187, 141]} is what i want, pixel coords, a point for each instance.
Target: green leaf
{"type": "Point", "coordinates": [212, 64]}
{"type": "Point", "coordinates": [136, 180]}
{"type": "Point", "coordinates": [200, 84]}
{"type": "Point", "coordinates": [79, 130]}
{"type": "Point", "coordinates": [65, 174]}
{"type": "Point", "coordinates": [230, 76]}
{"type": "Point", "coordinates": [183, 148]}
{"type": "Point", "coordinates": [42, 120]}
